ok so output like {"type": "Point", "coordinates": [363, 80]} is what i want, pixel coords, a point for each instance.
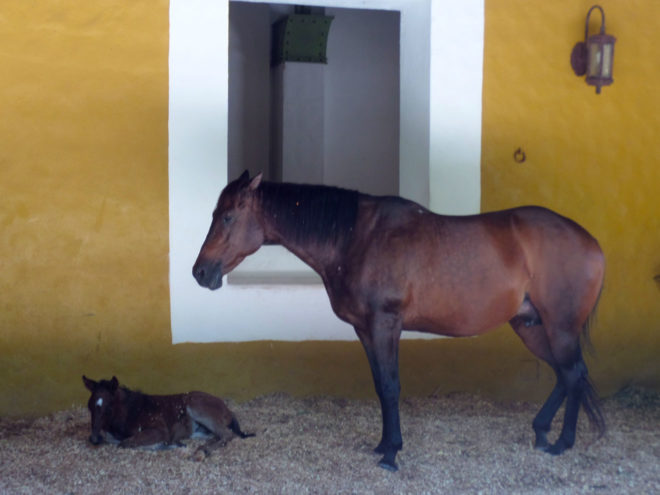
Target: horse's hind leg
{"type": "Point", "coordinates": [572, 385]}
{"type": "Point", "coordinates": [579, 392]}
{"type": "Point", "coordinates": [530, 329]}
{"type": "Point", "coordinates": [543, 419]}
{"type": "Point", "coordinates": [561, 350]}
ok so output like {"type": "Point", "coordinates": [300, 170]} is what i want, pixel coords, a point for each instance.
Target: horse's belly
{"type": "Point", "coordinates": [440, 327]}
{"type": "Point", "coordinates": [460, 315]}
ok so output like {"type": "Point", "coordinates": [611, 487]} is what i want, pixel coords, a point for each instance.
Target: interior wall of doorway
{"type": "Point", "coordinates": [345, 127]}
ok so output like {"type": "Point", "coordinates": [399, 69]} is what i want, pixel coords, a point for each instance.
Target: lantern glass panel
{"type": "Point", "coordinates": [595, 57]}
{"type": "Point", "coordinates": [606, 70]}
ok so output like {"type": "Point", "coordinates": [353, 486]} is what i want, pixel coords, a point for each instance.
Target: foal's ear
{"type": "Point", "coordinates": [256, 180]}
{"type": "Point", "coordinates": [89, 384]}
{"type": "Point", "coordinates": [114, 383]}
{"type": "Point", "coordinates": [245, 176]}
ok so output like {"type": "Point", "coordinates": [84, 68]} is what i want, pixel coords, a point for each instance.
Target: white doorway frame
{"type": "Point", "coordinates": [441, 63]}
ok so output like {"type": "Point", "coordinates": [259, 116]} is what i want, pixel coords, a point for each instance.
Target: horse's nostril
{"type": "Point", "coordinates": [198, 272]}
{"type": "Point", "coordinates": [208, 274]}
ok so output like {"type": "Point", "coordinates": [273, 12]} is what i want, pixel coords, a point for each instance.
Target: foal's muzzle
{"type": "Point", "coordinates": [208, 274]}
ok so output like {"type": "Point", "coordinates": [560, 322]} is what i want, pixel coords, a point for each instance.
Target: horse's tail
{"type": "Point", "coordinates": [590, 399]}
{"type": "Point", "coordinates": [591, 405]}
{"type": "Point", "coordinates": [585, 336]}
{"type": "Point", "coordinates": [235, 427]}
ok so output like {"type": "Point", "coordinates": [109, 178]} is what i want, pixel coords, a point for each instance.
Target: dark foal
{"type": "Point", "coordinates": [134, 419]}
{"type": "Point", "coordinates": [389, 265]}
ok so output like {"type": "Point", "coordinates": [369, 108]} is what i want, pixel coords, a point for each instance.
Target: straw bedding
{"type": "Point", "coordinates": [452, 444]}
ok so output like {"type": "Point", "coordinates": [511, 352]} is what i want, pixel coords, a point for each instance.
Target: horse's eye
{"type": "Point", "coordinates": [226, 219]}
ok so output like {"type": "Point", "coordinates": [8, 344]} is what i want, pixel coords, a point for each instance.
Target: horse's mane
{"type": "Point", "coordinates": [310, 213]}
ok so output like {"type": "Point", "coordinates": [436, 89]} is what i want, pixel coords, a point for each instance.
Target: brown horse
{"type": "Point", "coordinates": [134, 419]}
{"type": "Point", "coordinates": [389, 264]}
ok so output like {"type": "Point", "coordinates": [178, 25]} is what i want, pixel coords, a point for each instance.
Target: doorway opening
{"type": "Point", "coordinates": [335, 123]}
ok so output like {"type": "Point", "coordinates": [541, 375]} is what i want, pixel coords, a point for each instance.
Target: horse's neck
{"type": "Point", "coordinates": [317, 256]}
{"type": "Point", "coordinates": [314, 245]}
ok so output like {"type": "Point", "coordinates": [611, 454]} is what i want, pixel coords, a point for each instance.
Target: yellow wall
{"type": "Point", "coordinates": [594, 158]}
{"type": "Point", "coordinates": [84, 204]}
{"type": "Point", "coordinates": [83, 193]}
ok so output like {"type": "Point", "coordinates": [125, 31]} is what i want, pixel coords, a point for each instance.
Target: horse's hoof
{"type": "Point", "coordinates": [556, 449]}
{"type": "Point", "coordinates": [542, 446]}
{"type": "Point", "coordinates": [388, 465]}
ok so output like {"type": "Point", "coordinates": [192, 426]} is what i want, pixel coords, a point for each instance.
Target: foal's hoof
{"type": "Point", "coordinates": [388, 465]}
{"type": "Point", "coordinates": [199, 455]}
{"type": "Point", "coordinates": [95, 440]}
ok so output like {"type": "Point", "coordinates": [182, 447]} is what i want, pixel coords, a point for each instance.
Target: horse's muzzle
{"type": "Point", "coordinates": [208, 274]}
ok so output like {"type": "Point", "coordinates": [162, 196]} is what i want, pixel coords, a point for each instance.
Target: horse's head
{"type": "Point", "coordinates": [234, 234]}
{"type": "Point", "coordinates": [100, 405]}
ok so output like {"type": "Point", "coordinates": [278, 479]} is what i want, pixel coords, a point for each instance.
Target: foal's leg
{"type": "Point", "coordinates": [149, 438]}
{"type": "Point", "coordinates": [212, 413]}
{"type": "Point", "coordinates": [381, 344]}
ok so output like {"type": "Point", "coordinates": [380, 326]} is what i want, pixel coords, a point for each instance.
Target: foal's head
{"type": "Point", "coordinates": [100, 405]}
{"type": "Point", "coordinates": [234, 234]}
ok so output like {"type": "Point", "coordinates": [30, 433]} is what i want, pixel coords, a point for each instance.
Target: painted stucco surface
{"type": "Point", "coordinates": [594, 158]}
{"type": "Point", "coordinates": [84, 205]}
{"type": "Point", "coordinates": [83, 194]}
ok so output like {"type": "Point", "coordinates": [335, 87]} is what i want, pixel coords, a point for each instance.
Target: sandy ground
{"type": "Point", "coordinates": [454, 444]}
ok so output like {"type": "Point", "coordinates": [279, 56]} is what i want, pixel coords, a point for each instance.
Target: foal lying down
{"type": "Point", "coordinates": [133, 419]}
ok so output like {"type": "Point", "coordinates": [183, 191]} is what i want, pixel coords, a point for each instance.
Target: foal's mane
{"type": "Point", "coordinates": [134, 400]}
{"type": "Point", "coordinates": [310, 213]}
{"type": "Point", "coordinates": [137, 400]}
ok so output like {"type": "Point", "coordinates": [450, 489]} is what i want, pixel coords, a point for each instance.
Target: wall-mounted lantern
{"type": "Point", "coordinates": [594, 55]}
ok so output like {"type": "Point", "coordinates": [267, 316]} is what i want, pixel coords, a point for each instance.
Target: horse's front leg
{"type": "Point", "coordinates": [149, 438]}
{"type": "Point", "coordinates": [381, 344]}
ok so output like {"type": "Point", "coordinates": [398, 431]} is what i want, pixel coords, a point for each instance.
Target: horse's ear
{"type": "Point", "coordinates": [245, 176]}
{"type": "Point", "coordinates": [89, 384]}
{"type": "Point", "coordinates": [114, 383]}
{"type": "Point", "coordinates": [254, 183]}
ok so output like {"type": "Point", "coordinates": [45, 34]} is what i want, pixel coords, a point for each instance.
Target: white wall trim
{"type": "Point", "coordinates": [441, 70]}
{"type": "Point", "coordinates": [457, 47]}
